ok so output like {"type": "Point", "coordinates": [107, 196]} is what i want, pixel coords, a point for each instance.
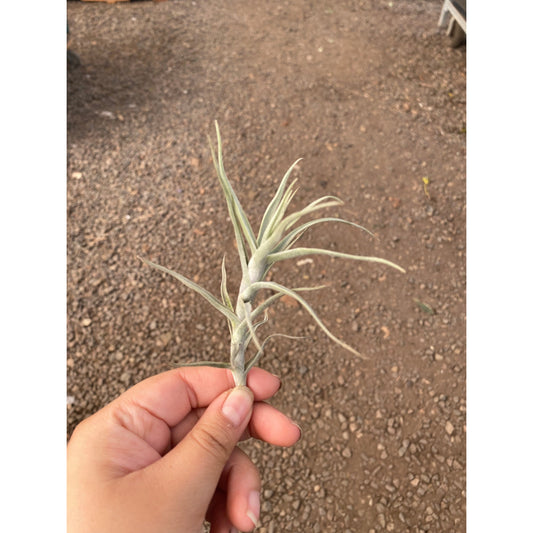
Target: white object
{"type": "Point", "coordinates": [450, 14]}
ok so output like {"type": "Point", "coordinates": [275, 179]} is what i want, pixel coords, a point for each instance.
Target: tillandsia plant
{"type": "Point", "coordinates": [275, 240]}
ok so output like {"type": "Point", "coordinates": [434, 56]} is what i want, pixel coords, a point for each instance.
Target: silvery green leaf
{"type": "Point", "coordinates": [295, 234]}
{"type": "Point", "coordinates": [298, 252]}
{"type": "Point", "coordinates": [250, 325]}
{"type": "Point", "coordinates": [223, 287]}
{"type": "Point", "coordinates": [226, 300]}
{"type": "Point", "coordinates": [242, 329]}
{"type": "Point", "coordinates": [256, 326]}
{"type": "Point", "coordinates": [232, 199]}
{"type": "Point", "coordinates": [214, 364]}
{"type": "Point", "coordinates": [270, 285]}
{"type": "Point", "coordinates": [321, 203]}
{"type": "Point", "coordinates": [228, 313]}
{"type": "Point", "coordinates": [272, 299]}
{"type": "Point", "coordinates": [262, 307]}
{"type": "Point", "coordinates": [279, 213]}
{"type": "Point", "coordinates": [274, 203]}
{"type": "Point", "coordinates": [253, 361]}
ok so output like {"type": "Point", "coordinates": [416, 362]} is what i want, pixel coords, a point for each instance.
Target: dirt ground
{"type": "Point", "coordinates": [371, 96]}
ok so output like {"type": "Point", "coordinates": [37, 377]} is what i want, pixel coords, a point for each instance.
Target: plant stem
{"type": "Point", "coordinates": [243, 309]}
{"type": "Point", "coordinates": [239, 377]}
{"type": "Point", "coordinates": [238, 347]}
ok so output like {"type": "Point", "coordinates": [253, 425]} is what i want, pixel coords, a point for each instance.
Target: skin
{"type": "Point", "coordinates": [163, 456]}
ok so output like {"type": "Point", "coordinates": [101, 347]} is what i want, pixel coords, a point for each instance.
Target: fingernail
{"type": "Point", "coordinates": [299, 429]}
{"type": "Point", "coordinates": [237, 405]}
{"type": "Point", "coordinates": [254, 506]}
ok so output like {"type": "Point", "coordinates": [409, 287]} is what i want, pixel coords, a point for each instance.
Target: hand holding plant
{"type": "Point", "coordinates": [163, 456]}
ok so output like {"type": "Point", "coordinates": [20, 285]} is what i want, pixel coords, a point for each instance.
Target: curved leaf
{"type": "Point", "coordinates": [284, 290]}
{"type": "Point", "coordinates": [231, 198]}
{"type": "Point", "coordinates": [295, 234]}
{"type": "Point", "coordinates": [298, 252]}
{"type": "Point", "coordinates": [274, 203]}
{"type": "Point", "coordinates": [228, 313]}
{"type": "Point", "coordinates": [253, 361]}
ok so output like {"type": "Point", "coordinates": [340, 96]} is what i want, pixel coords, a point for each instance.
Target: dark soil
{"type": "Point", "coordinates": [371, 95]}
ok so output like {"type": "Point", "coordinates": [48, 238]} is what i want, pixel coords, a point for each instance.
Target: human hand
{"type": "Point", "coordinates": [162, 457]}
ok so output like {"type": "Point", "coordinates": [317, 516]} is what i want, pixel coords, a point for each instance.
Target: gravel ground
{"type": "Point", "coordinates": [372, 97]}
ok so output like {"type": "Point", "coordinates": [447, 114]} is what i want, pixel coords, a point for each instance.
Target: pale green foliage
{"type": "Point", "coordinates": [278, 232]}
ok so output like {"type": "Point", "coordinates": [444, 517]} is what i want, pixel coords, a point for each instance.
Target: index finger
{"type": "Point", "coordinates": [170, 396]}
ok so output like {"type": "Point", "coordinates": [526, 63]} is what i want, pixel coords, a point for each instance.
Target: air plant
{"type": "Point", "coordinates": [275, 241]}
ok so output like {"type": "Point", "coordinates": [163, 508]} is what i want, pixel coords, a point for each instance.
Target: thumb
{"type": "Point", "coordinates": [196, 463]}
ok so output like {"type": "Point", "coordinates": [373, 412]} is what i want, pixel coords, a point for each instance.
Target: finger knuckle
{"type": "Point", "coordinates": [211, 443]}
